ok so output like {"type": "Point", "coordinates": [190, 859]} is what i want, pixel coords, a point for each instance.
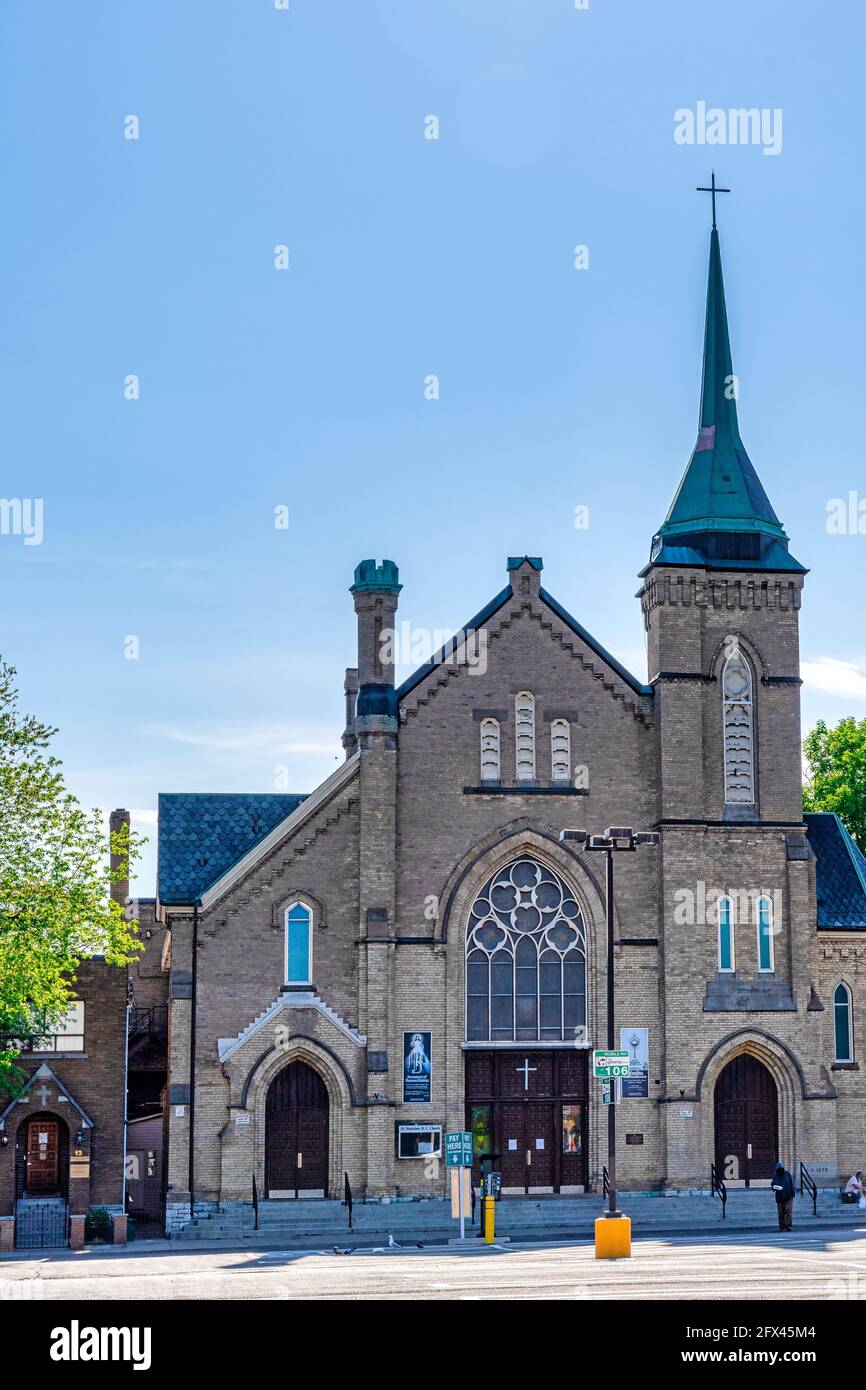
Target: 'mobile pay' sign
{"type": "Point", "coordinates": [610, 1063]}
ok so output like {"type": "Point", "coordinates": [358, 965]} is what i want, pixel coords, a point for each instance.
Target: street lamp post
{"type": "Point", "coordinates": [613, 840]}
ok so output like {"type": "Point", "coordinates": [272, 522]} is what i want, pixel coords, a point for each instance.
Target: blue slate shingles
{"type": "Point", "coordinates": [202, 834]}
{"type": "Point", "coordinates": [840, 872]}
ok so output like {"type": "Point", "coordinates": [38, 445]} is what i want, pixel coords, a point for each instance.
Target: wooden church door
{"type": "Point", "coordinates": [296, 1133]}
{"type": "Point", "coordinates": [747, 1124]}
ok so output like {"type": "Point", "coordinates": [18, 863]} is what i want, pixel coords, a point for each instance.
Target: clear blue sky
{"type": "Point", "coordinates": [407, 257]}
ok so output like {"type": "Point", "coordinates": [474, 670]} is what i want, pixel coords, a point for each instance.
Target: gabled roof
{"type": "Point", "coordinates": [840, 872]}
{"type": "Point", "coordinates": [437, 659]}
{"type": "Point", "coordinates": [721, 517]}
{"type": "Point", "coordinates": [202, 834]}
{"type": "Point", "coordinates": [493, 607]}
{"type": "Point", "coordinates": [44, 1073]}
{"type": "Point", "coordinates": [594, 645]}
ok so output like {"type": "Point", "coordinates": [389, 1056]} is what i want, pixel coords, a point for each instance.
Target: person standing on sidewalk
{"type": "Point", "coordinates": [783, 1186]}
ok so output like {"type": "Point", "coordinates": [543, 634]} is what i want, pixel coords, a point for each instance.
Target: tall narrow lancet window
{"type": "Point", "coordinates": [524, 733]}
{"type": "Point", "coordinates": [764, 923]}
{"type": "Point", "coordinates": [726, 934]}
{"type": "Point", "coordinates": [525, 958]}
{"type": "Point", "coordinates": [560, 750]}
{"type": "Point", "coordinates": [843, 1018]}
{"type": "Point", "coordinates": [299, 945]}
{"type": "Point", "coordinates": [490, 750]}
{"type": "Point", "coordinates": [738, 731]}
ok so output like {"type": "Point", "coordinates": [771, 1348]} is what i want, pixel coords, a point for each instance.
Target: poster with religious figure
{"type": "Point", "coordinates": [417, 1068]}
{"type": "Point", "coordinates": [635, 1041]}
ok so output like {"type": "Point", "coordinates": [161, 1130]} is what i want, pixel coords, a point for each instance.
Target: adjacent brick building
{"type": "Point", "coordinates": [62, 1139]}
{"type": "Point", "coordinates": [411, 949]}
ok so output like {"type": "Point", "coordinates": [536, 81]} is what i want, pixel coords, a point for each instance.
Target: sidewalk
{"type": "Point", "coordinates": [324, 1225]}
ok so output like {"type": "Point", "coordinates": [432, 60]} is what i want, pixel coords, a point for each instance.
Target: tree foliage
{"type": "Point", "coordinates": [55, 877]}
{"type": "Point", "coordinates": [836, 778]}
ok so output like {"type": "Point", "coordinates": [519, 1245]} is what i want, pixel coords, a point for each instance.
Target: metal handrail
{"type": "Point", "coordinates": [718, 1189]}
{"type": "Point", "coordinates": [151, 1021]}
{"type": "Point", "coordinates": [807, 1181]}
{"type": "Point", "coordinates": [605, 1182]}
{"type": "Point", "coordinates": [255, 1204]}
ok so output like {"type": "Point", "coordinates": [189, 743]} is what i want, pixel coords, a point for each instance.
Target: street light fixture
{"type": "Point", "coordinates": [616, 839]}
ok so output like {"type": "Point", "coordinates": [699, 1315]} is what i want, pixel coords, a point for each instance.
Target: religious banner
{"type": "Point", "coordinates": [417, 1068]}
{"type": "Point", "coordinates": [636, 1042]}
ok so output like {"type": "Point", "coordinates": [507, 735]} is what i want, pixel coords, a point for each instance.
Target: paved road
{"type": "Point", "coordinates": [818, 1264]}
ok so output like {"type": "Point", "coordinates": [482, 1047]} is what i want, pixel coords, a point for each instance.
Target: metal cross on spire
{"type": "Point", "coordinates": [714, 190]}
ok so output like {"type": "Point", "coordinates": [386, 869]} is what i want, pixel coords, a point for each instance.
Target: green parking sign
{"type": "Point", "coordinates": [610, 1063]}
{"type": "Point", "coordinates": [458, 1149]}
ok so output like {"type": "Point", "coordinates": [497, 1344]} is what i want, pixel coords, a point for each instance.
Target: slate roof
{"type": "Point", "coordinates": [202, 834]}
{"type": "Point", "coordinates": [840, 871]}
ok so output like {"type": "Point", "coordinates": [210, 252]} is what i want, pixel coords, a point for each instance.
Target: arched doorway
{"type": "Point", "coordinates": [42, 1157]}
{"type": "Point", "coordinates": [296, 1133]}
{"type": "Point", "coordinates": [746, 1121]}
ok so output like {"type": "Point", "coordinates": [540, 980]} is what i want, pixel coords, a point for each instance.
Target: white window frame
{"type": "Point", "coordinates": [308, 908]}
{"type": "Point", "coordinates": [850, 1004]}
{"type": "Point", "coordinates": [490, 728]}
{"type": "Point", "coordinates": [72, 1026]}
{"type": "Point", "coordinates": [563, 773]}
{"type": "Point", "coordinates": [524, 770]}
{"type": "Point", "coordinates": [727, 901]}
{"type": "Point", "coordinates": [765, 898]}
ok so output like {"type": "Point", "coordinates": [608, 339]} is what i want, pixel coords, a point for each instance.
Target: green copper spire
{"type": "Point", "coordinates": [721, 515]}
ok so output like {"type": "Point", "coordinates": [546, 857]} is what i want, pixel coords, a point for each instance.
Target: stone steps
{"type": "Point", "coordinates": [320, 1220]}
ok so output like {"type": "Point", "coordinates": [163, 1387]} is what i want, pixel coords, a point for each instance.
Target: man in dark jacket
{"type": "Point", "coordinates": [783, 1186]}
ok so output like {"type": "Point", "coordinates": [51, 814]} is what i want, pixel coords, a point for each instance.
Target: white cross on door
{"type": "Point", "coordinates": [526, 1069]}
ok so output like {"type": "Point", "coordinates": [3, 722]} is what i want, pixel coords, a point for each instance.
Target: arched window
{"type": "Point", "coordinates": [843, 1019]}
{"type": "Point", "coordinates": [764, 924]}
{"type": "Point", "coordinates": [738, 730]}
{"type": "Point", "coordinates": [560, 750]}
{"type": "Point", "coordinates": [524, 720]}
{"type": "Point", "coordinates": [726, 934]}
{"type": "Point", "coordinates": [525, 958]}
{"type": "Point", "coordinates": [299, 944]}
{"type": "Point", "coordinates": [490, 750]}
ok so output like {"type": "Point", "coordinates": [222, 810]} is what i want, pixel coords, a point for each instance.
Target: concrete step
{"type": "Point", "coordinates": [554, 1215]}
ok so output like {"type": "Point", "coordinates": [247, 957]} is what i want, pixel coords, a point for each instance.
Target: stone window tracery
{"type": "Point", "coordinates": [525, 958]}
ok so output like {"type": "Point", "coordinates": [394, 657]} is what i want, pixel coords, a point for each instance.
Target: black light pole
{"type": "Point", "coordinates": [611, 1109]}
{"type": "Point", "coordinates": [614, 839]}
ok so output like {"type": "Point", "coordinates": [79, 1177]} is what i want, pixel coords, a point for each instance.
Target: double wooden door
{"type": "Point", "coordinates": [746, 1119]}
{"type": "Point", "coordinates": [296, 1134]}
{"type": "Point", "coordinates": [529, 1109]}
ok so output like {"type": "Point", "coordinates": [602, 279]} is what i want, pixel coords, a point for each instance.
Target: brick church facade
{"type": "Point", "coordinates": [334, 981]}
{"type": "Point", "coordinates": [412, 949]}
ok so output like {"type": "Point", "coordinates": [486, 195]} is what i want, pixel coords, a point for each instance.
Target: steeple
{"type": "Point", "coordinates": [721, 516]}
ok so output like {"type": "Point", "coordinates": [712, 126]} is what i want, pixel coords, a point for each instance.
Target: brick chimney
{"type": "Point", "coordinates": [119, 890]}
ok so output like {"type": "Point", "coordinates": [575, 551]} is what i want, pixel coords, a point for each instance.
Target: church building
{"type": "Point", "coordinates": [411, 949]}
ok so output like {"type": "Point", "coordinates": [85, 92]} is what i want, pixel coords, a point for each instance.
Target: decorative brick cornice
{"type": "Point", "coordinates": [305, 999]}
{"type": "Point", "coordinates": [729, 591]}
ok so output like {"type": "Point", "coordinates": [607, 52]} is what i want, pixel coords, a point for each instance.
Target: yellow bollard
{"type": "Point", "coordinates": [612, 1237]}
{"type": "Point", "coordinates": [489, 1205]}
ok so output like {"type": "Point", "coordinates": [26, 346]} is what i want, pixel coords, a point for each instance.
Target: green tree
{"type": "Point", "coordinates": [837, 773]}
{"type": "Point", "coordinates": [55, 877]}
